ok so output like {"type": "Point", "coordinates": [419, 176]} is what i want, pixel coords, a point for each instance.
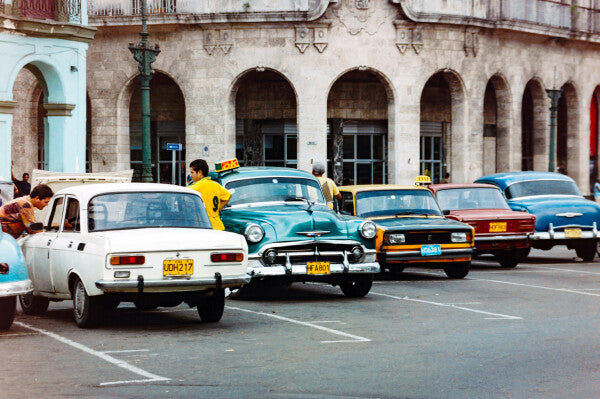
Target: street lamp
{"type": "Point", "coordinates": [145, 56]}
{"type": "Point", "coordinates": [554, 97]}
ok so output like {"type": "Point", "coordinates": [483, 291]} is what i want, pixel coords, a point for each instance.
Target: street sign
{"type": "Point", "coordinates": [174, 147]}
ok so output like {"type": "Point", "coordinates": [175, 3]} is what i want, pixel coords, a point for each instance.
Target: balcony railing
{"type": "Point", "coordinates": [553, 14]}
{"type": "Point", "coordinates": [55, 10]}
{"type": "Point", "coordinates": [133, 7]}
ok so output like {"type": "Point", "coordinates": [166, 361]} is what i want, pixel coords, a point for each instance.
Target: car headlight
{"type": "Point", "coordinates": [458, 237]}
{"type": "Point", "coordinates": [395, 238]}
{"type": "Point", "coordinates": [254, 233]}
{"type": "Point", "coordinates": [368, 230]}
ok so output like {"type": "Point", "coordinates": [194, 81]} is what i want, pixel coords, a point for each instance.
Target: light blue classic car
{"type": "Point", "coordinates": [564, 217]}
{"type": "Point", "coordinates": [14, 280]}
{"type": "Point", "coordinates": [292, 235]}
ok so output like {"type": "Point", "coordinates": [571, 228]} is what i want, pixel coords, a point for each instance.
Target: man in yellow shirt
{"type": "Point", "coordinates": [214, 196]}
{"type": "Point", "coordinates": [329, 188]}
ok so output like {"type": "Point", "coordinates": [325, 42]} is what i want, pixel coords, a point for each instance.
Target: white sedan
{"type": "Point", "coordinates": [150, 244]}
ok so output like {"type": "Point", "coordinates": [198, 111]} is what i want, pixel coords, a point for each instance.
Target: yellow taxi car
{"type": "Point", "coordinates": [411, 229]}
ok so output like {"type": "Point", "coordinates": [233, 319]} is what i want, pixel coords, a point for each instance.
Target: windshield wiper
{"type": "Point", "coordinates": [411, 213]}
{"type": "Point", "coordinates": [290, 199]}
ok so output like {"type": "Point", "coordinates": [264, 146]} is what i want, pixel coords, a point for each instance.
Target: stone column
{"type": "Point", "coordinates": [66, 152]}
{"type": "Point", "coordinates": [474, 132]}
{"type": "Point", "coordinates": [404, 135]}
{"type": "Point", "coordinates": [7, 109]}
{"type": "Point", "coordinates": [312, 127]}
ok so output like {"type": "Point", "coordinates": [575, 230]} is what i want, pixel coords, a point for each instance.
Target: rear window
{"type": "Point", "coordinates": [542, 187]}
{"type": "Point", "coordinates": [120, 211]}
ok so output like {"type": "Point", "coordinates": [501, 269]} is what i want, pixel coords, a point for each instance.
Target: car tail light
{"type": "Point", "coordinates": [3, 268]}
{"type": "Point", "coordinates": [526, 225]}
{"type": "Point", "coordinates": [127, 260]}
{"type": "Point", "coordinates": [227, 257]}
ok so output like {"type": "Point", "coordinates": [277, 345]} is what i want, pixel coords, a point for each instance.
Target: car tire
{"type": "Point", "coordinates": [7, 311]}
{"type": "Point", "coordinates": [524, 254]}
{"type": "Point", "coordinates": [457, 270]}
{"type": "Point", "coordinates": [358, 286]}
{"type": "Point", "coordinates": [211, 308]}
{"type": "Point", "coordinates": [509, 259]}
{"type": "Point", "coordinates": [33, 305]}
{"type": "Point", "coordinates": [586, 252]}
{"type": "Point", "coordinates": [86, 309]}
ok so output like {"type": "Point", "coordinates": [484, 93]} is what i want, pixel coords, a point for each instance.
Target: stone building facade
{"type": "Point", "coordinates": [382, 90]}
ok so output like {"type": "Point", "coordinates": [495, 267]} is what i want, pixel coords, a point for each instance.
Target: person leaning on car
{"type": "Point", "coordinates": [214, 196]}
{"type": "Point", "coordinates": [17, 215]}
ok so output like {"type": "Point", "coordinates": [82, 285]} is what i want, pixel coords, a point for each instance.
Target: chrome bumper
{"type": "Point", "coordinates": [297, 270]}
{"type": "Point", "coordinates": [511, 237]}
{"type": "Point", "coordinates": [175, 284]}
{"type": "Point", "coordinates": [416, 255]}
{"type": "Point", "coordinates": [551, 234]}
{"type": "Point", "coordinates": [16, 288]}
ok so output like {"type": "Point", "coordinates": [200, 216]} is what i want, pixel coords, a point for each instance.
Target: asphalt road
{"type": "Point", "coordinates": [529, 332]}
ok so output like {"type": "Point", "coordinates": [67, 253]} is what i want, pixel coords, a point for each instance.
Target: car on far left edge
{"type": "Point", "coordinates": [150, 244]}
{"type": "Point", "coordinates": [14, 279]}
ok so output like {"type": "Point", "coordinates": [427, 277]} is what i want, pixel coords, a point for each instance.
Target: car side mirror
{"type": "Point", "coordinates": [446, 212]}
{"type": "Point", "coordinates": [38, 226]}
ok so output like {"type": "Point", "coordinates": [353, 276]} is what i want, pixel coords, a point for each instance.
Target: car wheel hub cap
{"type": "Point", "coordinates": [79, 300]}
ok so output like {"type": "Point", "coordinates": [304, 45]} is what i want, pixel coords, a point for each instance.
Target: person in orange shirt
{"type": "Point", "coordinates": [214, 196]}
{"type": "Point", "coordinates": [17, 215]}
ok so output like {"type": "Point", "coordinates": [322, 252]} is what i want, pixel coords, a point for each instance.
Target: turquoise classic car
{"type": "Point", "coordinates": [292, 235]}
{"type": "Point", "coordinates": [14, 280]}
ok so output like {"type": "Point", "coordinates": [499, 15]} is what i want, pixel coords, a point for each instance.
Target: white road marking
{"type": "Point", "coordinates": [541, 287]}
{"type": "Point", "coordinates": [566, 270]}
{"type": "Point", "coordinates": [128, 351]}
{"type": "Point", "coordinates": [498, 316]}
{"type": "Point", "coordinates": [119, 363]}
{"type": "Point", "coordinates": [355, 338]}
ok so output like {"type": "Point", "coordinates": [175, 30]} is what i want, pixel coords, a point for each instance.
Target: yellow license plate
{"type": "Point", "coordinates": [497, 227]}
{"type": "Point", "coordinates": [573, 233]}
{"type": "Point", "coordinates": [178, 267]}
{"type": "Point", "coordinates": [318, 268]}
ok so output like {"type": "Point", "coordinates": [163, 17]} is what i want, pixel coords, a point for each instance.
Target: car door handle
{"type": "Point", "coordinates": [49, 242]}
{"type": "Point", "coordinates": [70, 245]}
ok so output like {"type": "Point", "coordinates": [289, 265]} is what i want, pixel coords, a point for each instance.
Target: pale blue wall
{"type": "Point", "coordinates": [54, 59]}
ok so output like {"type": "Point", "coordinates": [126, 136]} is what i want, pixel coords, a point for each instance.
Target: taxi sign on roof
{"type": "Point", "coordinates": [227, 165]}
{"type": "Point", "coordinates": [422, 180]}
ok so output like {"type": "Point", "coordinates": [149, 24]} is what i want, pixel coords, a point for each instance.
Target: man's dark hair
{"type": "Point", "coordinates": [41, 191]}
{"type": "Point", "coordinates": [200, 165]}
{"type": "Point", "coordinates": [25, 174]}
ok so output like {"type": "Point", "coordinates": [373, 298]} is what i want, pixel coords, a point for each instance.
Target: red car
{"type": "Point", "coordinates": [498, 230]}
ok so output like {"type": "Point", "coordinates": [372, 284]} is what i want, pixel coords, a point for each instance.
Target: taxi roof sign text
{"type": "Point", "coordinates": [422, 180]}
{"type": "Point", "coordinates": [227, 165]}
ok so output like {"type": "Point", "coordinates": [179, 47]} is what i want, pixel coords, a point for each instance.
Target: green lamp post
{"type": "Point", "coordinates": [554, 97]}
{"type": "Point", "coordinates": [145, 55]}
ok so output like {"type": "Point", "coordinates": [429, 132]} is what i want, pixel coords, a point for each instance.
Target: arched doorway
{"type": "Point", "coordinates": [167, 125]}
{"type": "Point", "coordinates": [594, 136]}
{"type": "Point", "coordinates": [265, 114]}
{"type": "Point", "coordinates": [566, 131]}
{"type": "Point", "coordinates": [29, 142]}
{"type": "Point", "coordinates": [443, 127]}
{"type": "Point", "coordinates": [534, 127]}
{"type": "Point", "coordinates": [496, 126]}
{"type": "Point", "coordinates": [357, 128]}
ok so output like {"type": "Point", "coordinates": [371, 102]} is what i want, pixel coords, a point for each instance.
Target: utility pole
{"type": "Point", "coordinates": [145, 56]}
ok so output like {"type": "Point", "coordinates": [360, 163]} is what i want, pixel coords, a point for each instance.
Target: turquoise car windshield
{"type": "Point", "coordinates": [396, 203]}
{"type": "Point", "coordinates": [471, 198]}
{"type": "Point", "coordinates": [274, 189]}
{"type": "Point", "coordinates": [542, 187]}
